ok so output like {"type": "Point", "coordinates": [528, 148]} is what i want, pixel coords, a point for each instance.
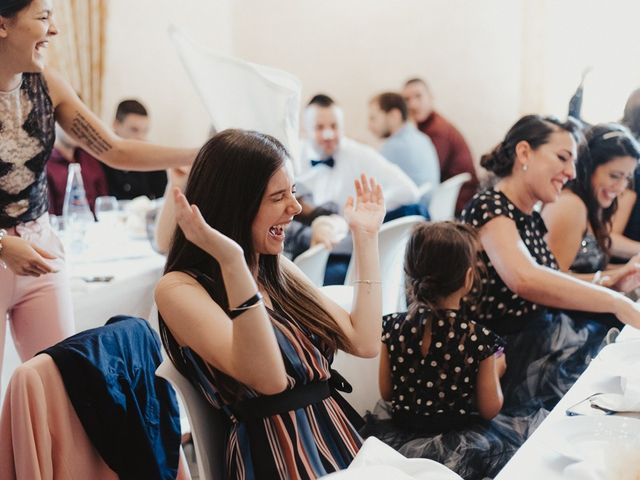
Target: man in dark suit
{"type": "Point", "coordinates": [132, 122]}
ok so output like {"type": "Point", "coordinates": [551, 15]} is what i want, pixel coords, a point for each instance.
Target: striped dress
{"type": "Point", "coordinates": [301, 444]}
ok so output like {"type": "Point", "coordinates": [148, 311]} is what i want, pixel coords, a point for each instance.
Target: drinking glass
{"type": "Point", "coordinates": [56, 223]}
{"type": "Point", "coordinates": [106, 209]}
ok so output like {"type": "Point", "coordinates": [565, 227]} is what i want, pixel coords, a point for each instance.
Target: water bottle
{"type": "Point", "coordinates": [75, 210]}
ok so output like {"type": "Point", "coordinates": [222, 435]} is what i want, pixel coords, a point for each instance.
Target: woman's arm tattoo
{"type": "Point", "coordinates": [89, 136]}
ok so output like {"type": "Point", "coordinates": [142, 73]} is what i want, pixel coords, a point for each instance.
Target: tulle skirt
{"type": "Point", "coordinates": [546, 359]}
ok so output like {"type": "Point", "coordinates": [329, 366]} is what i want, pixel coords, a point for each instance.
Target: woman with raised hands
{"type": "Point", "coordinates": [247, 327]}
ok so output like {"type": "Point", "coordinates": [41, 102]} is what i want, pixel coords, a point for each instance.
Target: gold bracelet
{"type": "Point", "coordinates": [367, 282]}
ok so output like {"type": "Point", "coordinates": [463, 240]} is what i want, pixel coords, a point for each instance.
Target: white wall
{"type": "Point", "coordinates": [488, 62]}
{"type": "Point", "coordinates": [470, 53]}
{"type": "Point", "coordinates": [574, 34]}
{"type": "Point", "coordinates": [142, 63]}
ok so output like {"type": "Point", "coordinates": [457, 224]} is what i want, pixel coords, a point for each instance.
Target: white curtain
{"type": "Point", "coordinates": [79, 49]}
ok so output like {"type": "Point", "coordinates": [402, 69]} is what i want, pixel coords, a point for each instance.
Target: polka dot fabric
{"type": "Point", "coordinates": [498, 307]}
{"type": "Point", "coordinates": [443, 381]}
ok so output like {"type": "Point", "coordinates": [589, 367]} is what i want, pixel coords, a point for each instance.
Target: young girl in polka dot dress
{"type": "Point", "coordinates": [439, 370]}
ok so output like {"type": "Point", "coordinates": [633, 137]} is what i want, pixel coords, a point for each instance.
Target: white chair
{"type": "Point", "coordinates": [444, 197]}
{"type": "Point", "coordinates": [341, 294]}
{"type": "Point", "coordinates": [208, 426]}
{"type": "Point", "coordinates": [424, 194]}
{"type": "Point", "coordinates": [313, 263]}
{"type": "Point", "coordinates": [392, 241]}
{"type": "Point", "coordinates": [361, 373]}
{"type": "Point", "coordinates": [425, 189]}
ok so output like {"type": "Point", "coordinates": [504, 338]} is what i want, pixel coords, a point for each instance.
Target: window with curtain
{"type": "Point", "coordinates": [79, 50]}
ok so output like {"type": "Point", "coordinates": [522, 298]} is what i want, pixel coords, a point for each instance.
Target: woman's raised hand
{"type": "Point", "coordinates": [198, 232]}
{"type": "Point", "coordinates": [366, 212]}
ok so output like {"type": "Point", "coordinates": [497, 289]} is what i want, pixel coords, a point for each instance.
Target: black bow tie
{"type": "Point", "coordinates": [329, 162]}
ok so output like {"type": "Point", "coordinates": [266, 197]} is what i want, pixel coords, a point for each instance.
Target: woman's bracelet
{"type": "Point", "coordinates": [3, 235]}
{"type": "Point", "coordinates": [253, 302]}
{"type": "Point", "coordinates": [597, 278]}
{"type": "Point", "coordinates": [367, 282]}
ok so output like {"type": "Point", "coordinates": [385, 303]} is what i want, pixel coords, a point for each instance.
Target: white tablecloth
{"type": "Point", "coordinates": [130, 292]}
{"type": "Point", "coordinates": [135, 269]}
{"type": "Point", "coordinates": [537, 459]}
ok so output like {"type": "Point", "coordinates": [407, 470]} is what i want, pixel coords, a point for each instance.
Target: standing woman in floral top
{"type": "Point", "coordinates": [34, 289]}
{"type": "Point", "coordinates": [546, 351]}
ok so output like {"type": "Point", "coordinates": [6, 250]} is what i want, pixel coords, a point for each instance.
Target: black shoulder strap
{"type": "Point", "coordinates": [205, 280]}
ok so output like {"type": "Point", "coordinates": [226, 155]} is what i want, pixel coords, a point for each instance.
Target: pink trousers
{"type": "Point", "coordinates": [38, 309]}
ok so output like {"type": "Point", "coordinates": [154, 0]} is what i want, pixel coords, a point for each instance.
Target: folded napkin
{"type": "Point", "coordinates": [628, 400]}
{"type": "Point", "coordinates": [135, 215]}
{"type": "Point", "coordinates": [617, 462]}
{"type": "Point", "coordinates": [378, 461]}
{"type": "Point", "coordinates": [239, 94]}
{"type": "Point", "coordinates": [587, 470]}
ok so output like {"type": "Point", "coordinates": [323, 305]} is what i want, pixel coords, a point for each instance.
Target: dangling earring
{"type": "Point", "coordinates": [525, 167]}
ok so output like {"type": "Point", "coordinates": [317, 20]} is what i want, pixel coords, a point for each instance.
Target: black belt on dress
{"type": "Point", "coordinates": [267, 405]}
{"type": "Point", "coordinates": [264, 406]}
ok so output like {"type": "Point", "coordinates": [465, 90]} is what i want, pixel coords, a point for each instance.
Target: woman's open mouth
{"type": "Point", "coordinates": [277, 231]}
{"type": "Point", "coordinates": [41, 45]}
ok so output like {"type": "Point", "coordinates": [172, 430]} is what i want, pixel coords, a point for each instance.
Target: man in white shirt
{"type": "Point", "coordinates": [331, 162]}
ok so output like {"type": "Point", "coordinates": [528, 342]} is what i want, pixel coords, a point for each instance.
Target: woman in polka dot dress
{"type": "Point", "coordinates": [440, 370]}
{"type": "Point", "coordinates": [546, 350]}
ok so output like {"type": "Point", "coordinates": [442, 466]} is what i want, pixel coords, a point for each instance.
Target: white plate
{"type": "Point", "coordinates": [619, 358]}
{"type": "Point", "coordinates": [586, 438]}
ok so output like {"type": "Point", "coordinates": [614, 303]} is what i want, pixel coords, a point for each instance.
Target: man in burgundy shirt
{"type": "Point", "coordinates": [65, 151]}
{"type": "Point", "coordinates": [453, 152]}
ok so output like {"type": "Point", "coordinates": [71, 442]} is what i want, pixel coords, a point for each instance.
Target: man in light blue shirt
{"type": "Point", "coordinates": [405, 146]}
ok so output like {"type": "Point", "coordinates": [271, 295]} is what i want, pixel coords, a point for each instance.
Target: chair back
{"type": "Point", "coordinates": [313, 263]}
{"type": "Point", "coordinates": [425, 189]}
{"type": "Point", "coordinates": [424, 194]}
{"type": "Point", "coordinates": [361, 373]}
{"type": "Point", "coordinates": [208, 425]}
{"type": "Point", "coordinates": [392, 242]}
{"type": "Point", "coordinates": [444, 197]}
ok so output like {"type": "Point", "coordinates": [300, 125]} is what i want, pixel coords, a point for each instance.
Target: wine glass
{"type": "Point", "coordinates": [106, 209]}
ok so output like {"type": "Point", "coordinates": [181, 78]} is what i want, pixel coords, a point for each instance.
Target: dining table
{"type": "Point", "coordinates": [115, 274]}
{"type": "Point", "coordinates": [578, 441]}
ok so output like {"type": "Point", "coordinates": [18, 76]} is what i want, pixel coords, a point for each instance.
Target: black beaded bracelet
{"type": "Point", "coordinates": [251, 303]}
